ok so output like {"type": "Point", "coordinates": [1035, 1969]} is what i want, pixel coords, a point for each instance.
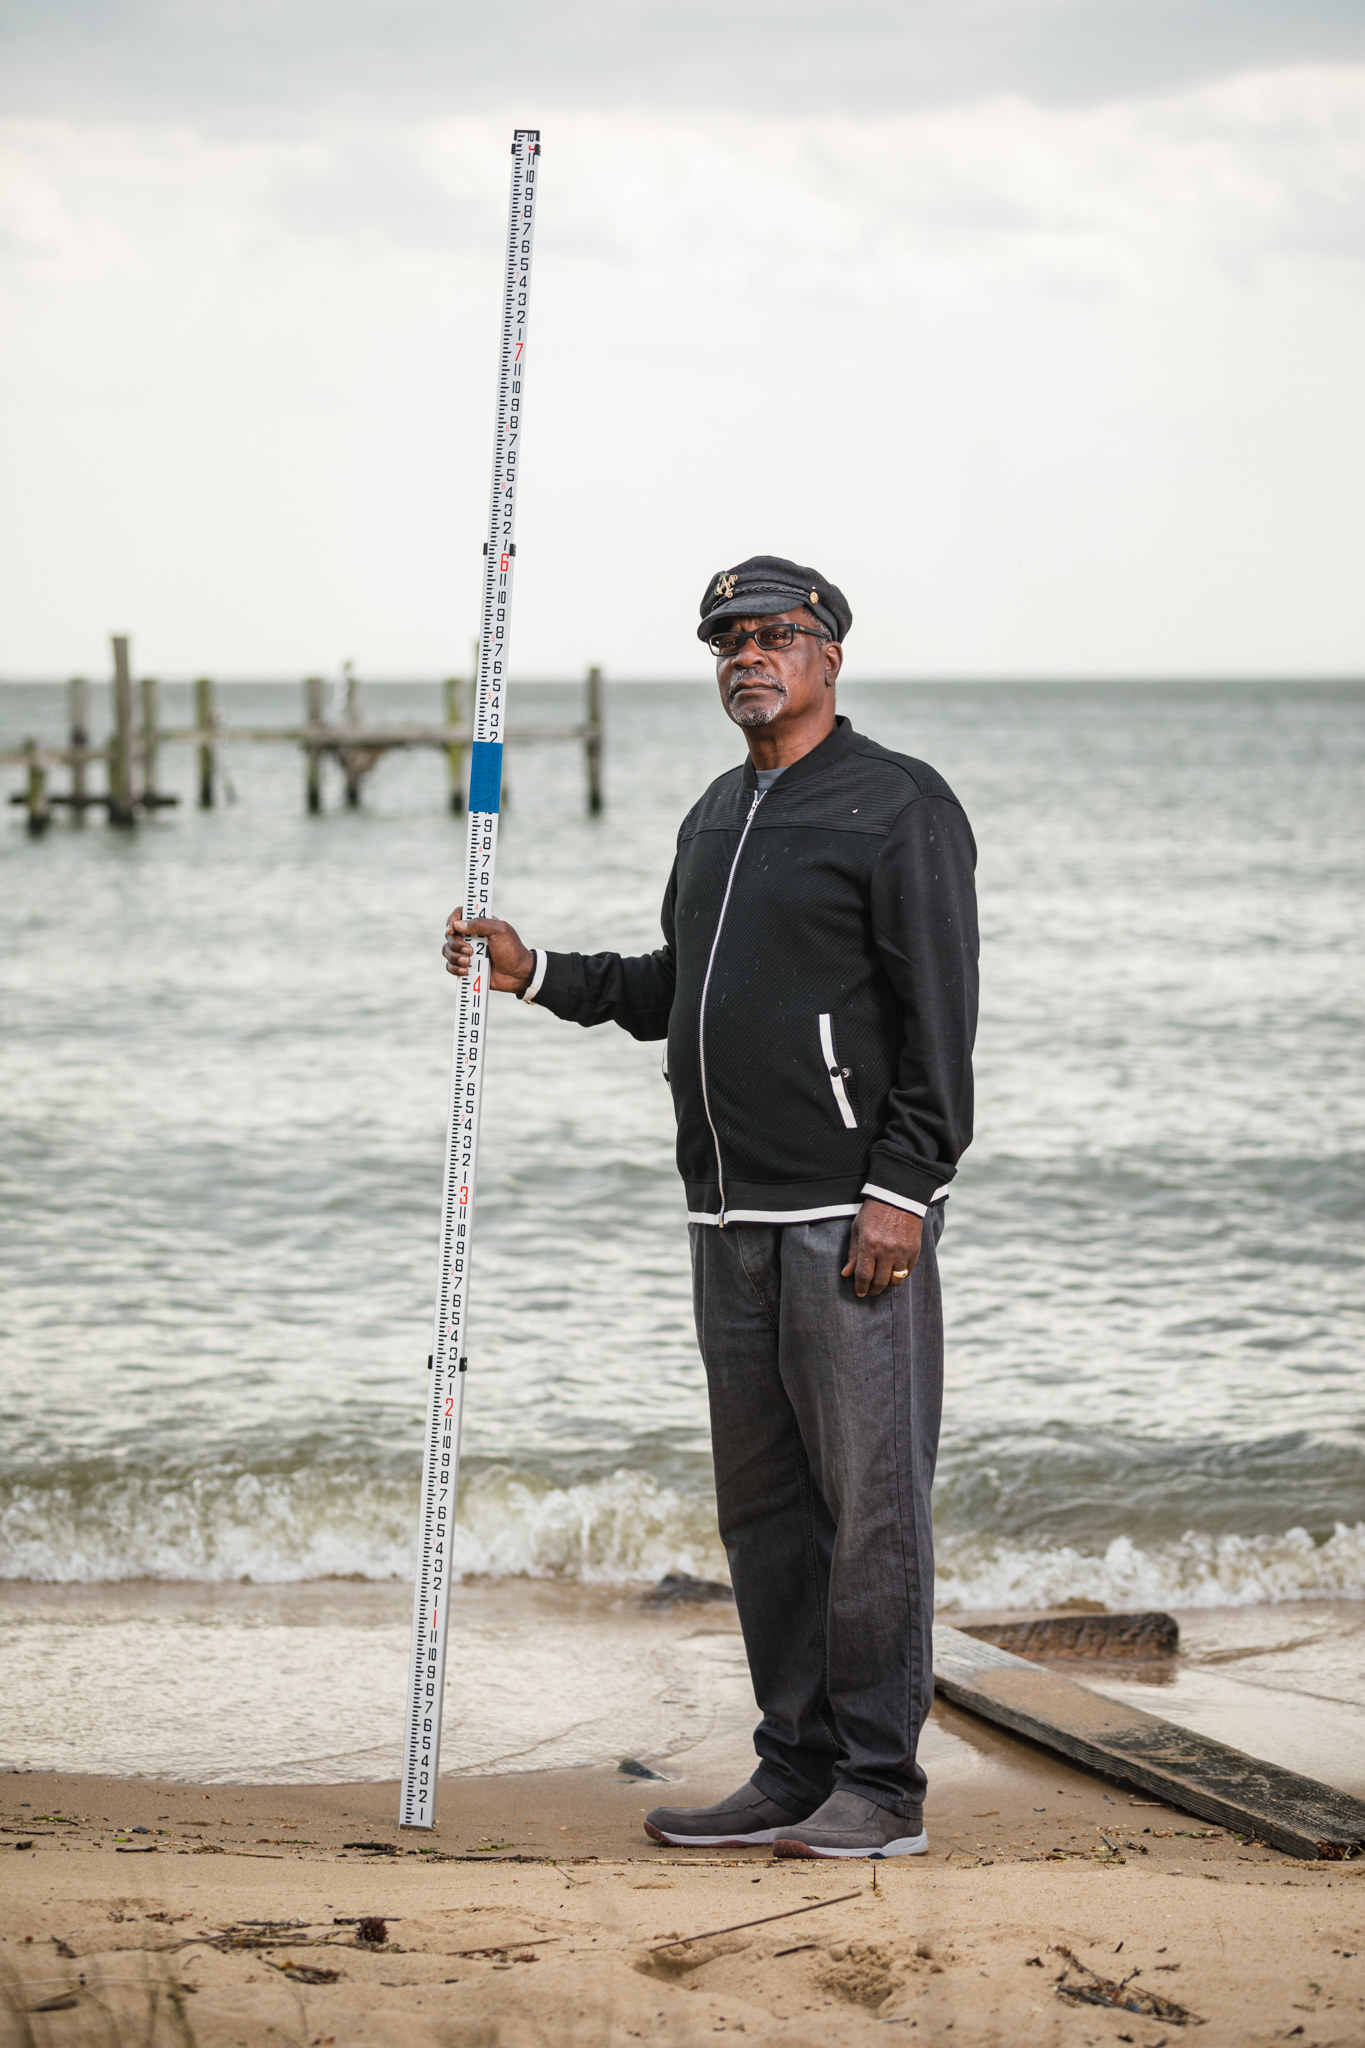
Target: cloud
{"type": "Point", "coordinates": [265, 58]}
{"type": "Point", "coordinates": [392, 190]}
{"type": "Point", "coordinates": [1047, 388]}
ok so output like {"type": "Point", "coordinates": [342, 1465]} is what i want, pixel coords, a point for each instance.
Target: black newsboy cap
{"type": "Point", "coordinates": [770, 583]}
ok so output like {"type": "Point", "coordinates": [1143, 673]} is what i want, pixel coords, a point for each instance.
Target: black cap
{"type": "Point", "coordinates": [770, 583]}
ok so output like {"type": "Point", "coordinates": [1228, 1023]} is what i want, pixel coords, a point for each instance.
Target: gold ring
{"type": "Point", "coordinates": [904, 1274]}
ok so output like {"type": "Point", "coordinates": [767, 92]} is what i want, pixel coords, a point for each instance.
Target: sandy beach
{"type": "Point", "coordinates": [215, 1900]}
{"type": "Point", "coordinates": [225, 1906]}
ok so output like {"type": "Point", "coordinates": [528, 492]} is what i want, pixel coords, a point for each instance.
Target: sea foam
{"type": "Point", "coordinates": [283, 1527]}
{"type": "Point", "coordinates": [624, 1528]}
{"type": "Point", "coordinates": [1194, 1570]}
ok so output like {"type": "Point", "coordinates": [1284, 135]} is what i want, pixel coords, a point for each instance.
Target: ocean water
{"type": "Point", "coordinates": [226, 1056]}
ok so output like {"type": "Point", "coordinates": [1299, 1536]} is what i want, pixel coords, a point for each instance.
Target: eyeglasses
{"type": "Point", "coordinates": [769, 638]}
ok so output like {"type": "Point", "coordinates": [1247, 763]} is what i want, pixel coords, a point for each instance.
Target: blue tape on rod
{"type": "Point", "coordinates": [485, 775]}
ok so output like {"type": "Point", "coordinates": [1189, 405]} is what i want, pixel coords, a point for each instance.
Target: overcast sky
{"type": "Point", "coordinates": [1036, 324]}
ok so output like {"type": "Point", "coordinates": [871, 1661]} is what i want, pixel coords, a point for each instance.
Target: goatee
{"type": "Point", "coordinates": [763, 712]}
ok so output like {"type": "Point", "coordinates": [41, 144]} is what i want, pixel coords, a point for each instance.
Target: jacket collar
{"type": "Point", "coordinates": [832, 748]}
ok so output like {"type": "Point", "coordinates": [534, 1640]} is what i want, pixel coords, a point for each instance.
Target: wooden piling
{"type": "Point", "coordinates": [121, 811]}
{"type": "Point", "coordinates": [312, 718]}
{"type": "Point", "coordinates": [39, 815]}
{"type": "Point", "coordinates": [206, 718]}
{"type": "Point", "coordinates": [592, 741]}
{"type": "Point", "coordinates": [351, 761]}
{"type": "Point", "coordinates": [151, 704]}
{"type": "Point", "coordinates": [455, 756]}
{"type": "Point", "coordinates": [78, 698]}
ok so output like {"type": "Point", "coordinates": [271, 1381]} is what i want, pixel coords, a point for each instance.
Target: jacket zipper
{"type": "Point", "coordinates": [701, 1011]}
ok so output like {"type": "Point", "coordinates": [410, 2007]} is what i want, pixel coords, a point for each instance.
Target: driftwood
{"type": "Point", "coordinates": [1082, 1635]}
{"type": "Point", "coordinates": [1186, 1770]}
{"type": "Point", "coordinates": [304, 1973]}
{"type": "Point", "coordinates": [1087, 1987]}
{"type": "Point", "coordinates": [710, 1933]}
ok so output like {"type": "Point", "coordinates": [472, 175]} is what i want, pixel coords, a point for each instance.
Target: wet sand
{"type": "Point", "coordinates": [304, 1684]}
{"type": "Point", "coordinates": [557, 1940]}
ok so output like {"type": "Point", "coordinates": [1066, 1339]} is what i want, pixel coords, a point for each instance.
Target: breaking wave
{"type": "Point", "coordinates": [281, 1527]}
{"type": "Point", "coordinates": [626, 1527]}
{"type": "Point", "coordinates": [1195, 1570]}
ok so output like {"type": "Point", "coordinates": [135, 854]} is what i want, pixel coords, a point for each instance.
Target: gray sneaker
{"type": "Point", "coordinates": [849, 1825]}
{"type": "Point", "coordinates": [746, 1816]}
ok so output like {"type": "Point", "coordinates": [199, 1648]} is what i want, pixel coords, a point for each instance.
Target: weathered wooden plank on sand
{"type": "Point", "coordinates": [1186, 1770]}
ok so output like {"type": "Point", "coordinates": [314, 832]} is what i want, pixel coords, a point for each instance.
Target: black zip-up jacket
{"type": "Point", "coordinates": [817, 986]}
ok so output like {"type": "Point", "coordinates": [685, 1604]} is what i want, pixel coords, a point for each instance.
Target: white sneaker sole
{"type": "Point", "coordinates": [760, 1840]}
{"type": "Point", "coordinates": [907, 1845]}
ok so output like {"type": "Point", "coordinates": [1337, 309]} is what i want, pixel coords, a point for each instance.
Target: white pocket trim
{"type": "Point", "coordinates": [836, 1072]}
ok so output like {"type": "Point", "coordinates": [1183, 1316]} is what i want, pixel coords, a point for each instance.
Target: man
{"type": "Point", "coordinates": [817, 988]}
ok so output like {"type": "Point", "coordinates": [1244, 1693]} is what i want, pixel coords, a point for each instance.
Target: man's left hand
{"type": "Point", "coordinates": [883, 1247]}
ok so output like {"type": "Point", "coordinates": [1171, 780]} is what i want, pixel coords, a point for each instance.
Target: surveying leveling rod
{"type": "Point", "coordinates": [441, 1456]}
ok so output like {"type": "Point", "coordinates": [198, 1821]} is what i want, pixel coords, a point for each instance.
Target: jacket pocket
{"type": "Point", "coordinates": [838, 1075]}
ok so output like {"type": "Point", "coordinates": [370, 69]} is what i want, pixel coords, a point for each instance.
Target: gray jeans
{"type": "Point", "coordinates": [824, 1430]}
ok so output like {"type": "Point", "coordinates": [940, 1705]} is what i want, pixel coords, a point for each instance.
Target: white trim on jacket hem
{"type": "Point", "coordinates": [774, 1215]}
{"type": "Point", "coordinates": [532, 988]}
